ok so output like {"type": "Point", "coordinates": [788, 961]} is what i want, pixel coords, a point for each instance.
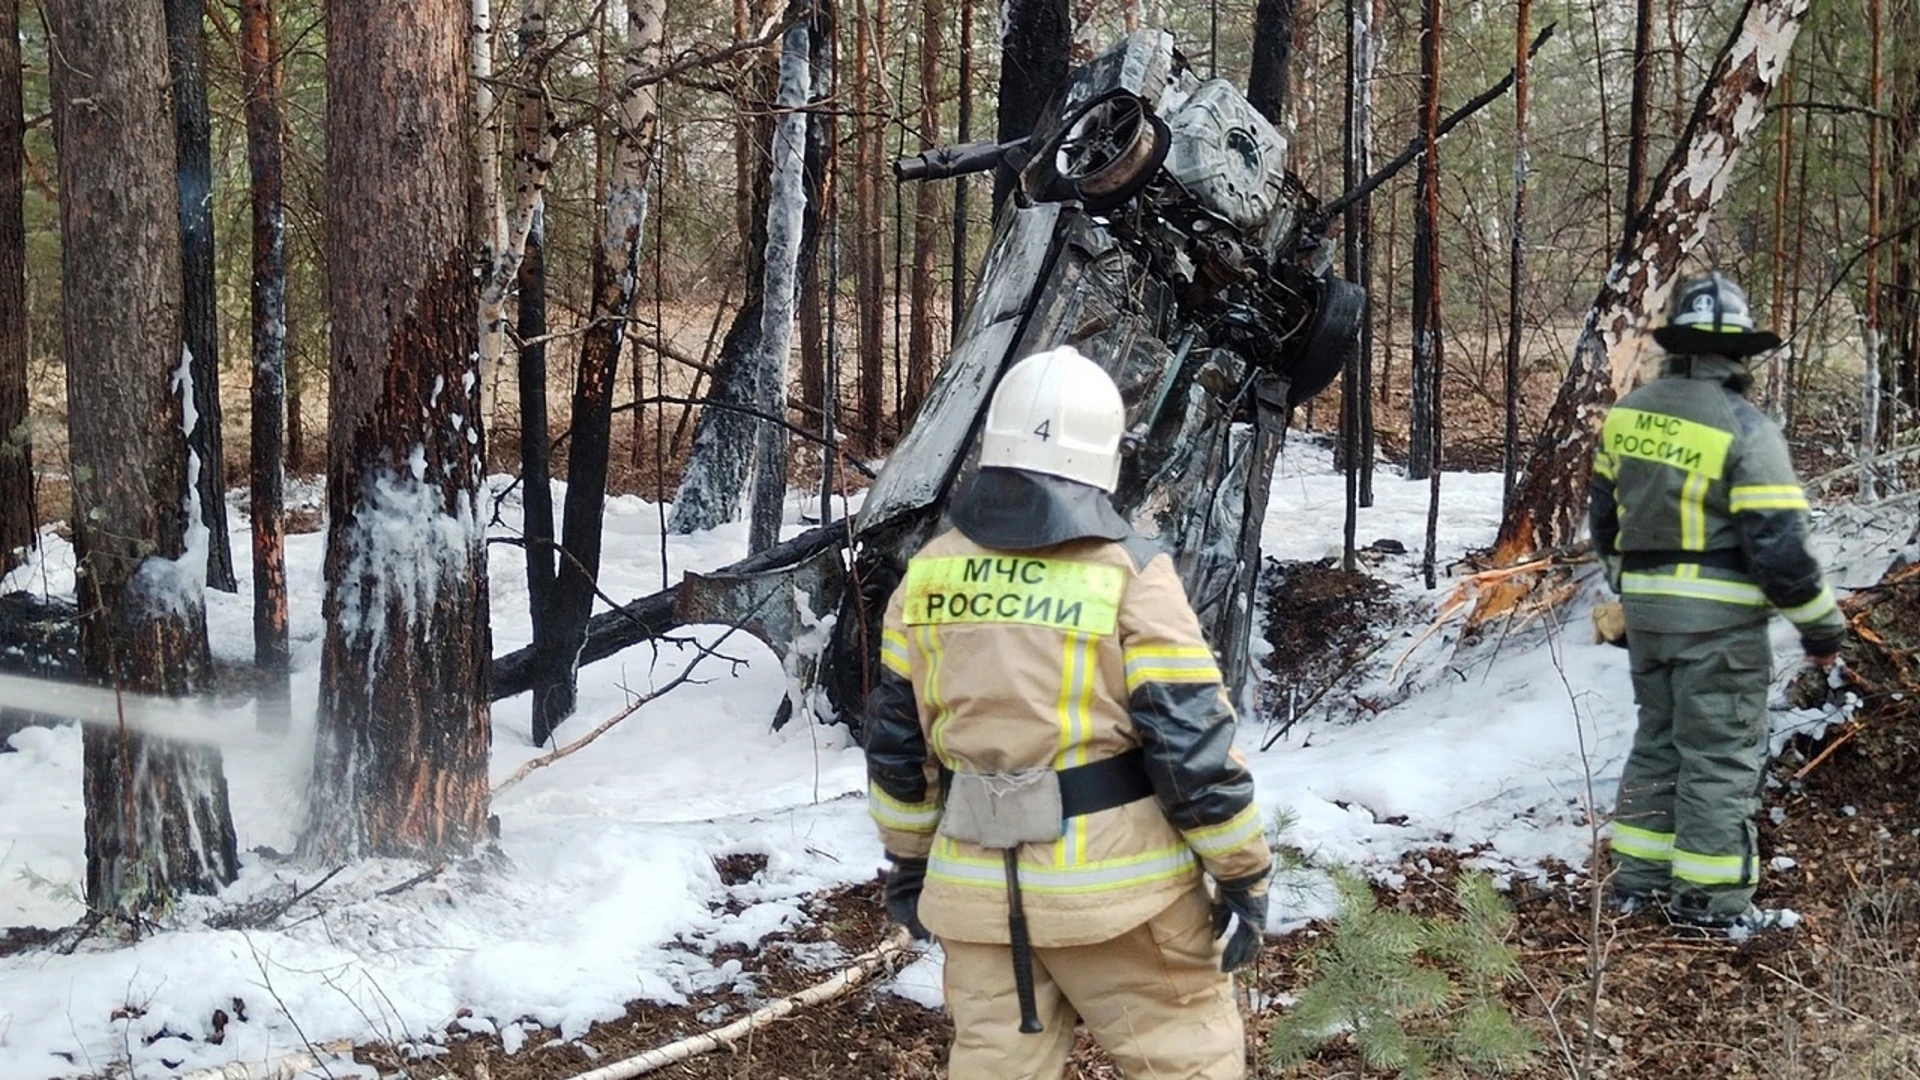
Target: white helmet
{"type": "Point", "coordinates": [1057, 413]}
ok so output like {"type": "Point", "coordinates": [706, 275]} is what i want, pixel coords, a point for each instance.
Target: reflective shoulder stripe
{"type": "Point", "coordinates": [1743, 593]}
{"type": "Point", "coordinates": [1603, 464]}
{"type": "Point", "coordinates": [1714, 869]}
{"type": "Point", "coordinates": [1642, 843]}
{"type": "Point", "coordinates": [1813, 610]}
{"type": "Point", "coordinates": [893, 653]}
{"type": "Point", "coordinates": [1058, 593]}
{"type": "Point", "coordinates": [1687, 445]}
{"type": "Point", "coordinates": [1744, 497]}
{"type": "Point", "coordinates": [887, 811]}
{"type": "Point", "coordinates": [1169, 664]}
{"type": "Point", "coordinates": [1227, 837]}
{"type": "Point", "coordinates": [948, 864]}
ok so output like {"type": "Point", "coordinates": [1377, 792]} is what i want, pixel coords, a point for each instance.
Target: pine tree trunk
{"type": "Point", "coordinates": [1516, 250]}
{"type": "Point", "coordinates": [921, 360]}
{"type": "Point", "coordinates": [1872, 406]}
{"type": "Point", "coordinates": [261, 78]}
{"type": "Point", "coordinates": [963, 133]}
{"type": "Point", "coordinates": [823, 135]}
{"type": "Point", "coordinates": [404, 722]}
{"type": "Point", "coordinates": [1551, 495]}
{"type": "Point", "coordinates": [1900, 308]}
{"type": "Point", "coordinates": [157, 823]}
{"type": "Point", "coordinates": [1272, 42]}
{"type": "Point", "coordinates": [532, 151]}
{"type": "Point", "coordinates": [16, 450]}
{"type": "Point", "coordinates": [193, 142]}
{"type": "Point", "coordinates": [1423, 440]}
{"type": "Point", "coordinates": [869, 273]}
{"type": "Point", "coordinates": [616, 261]}
{"type": "Point", "coordinates": [1777, 253]}
{"type": "Point", "coordinates": [786, 207]}
{"type": "Point", "coordinates": [1639, 107]}
{"type": "Point", "coordinates": [1034, 38]}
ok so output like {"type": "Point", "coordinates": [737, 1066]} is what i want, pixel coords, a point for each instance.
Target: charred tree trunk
{"type": "Point", "coordinates": [1516, 251]}
{"type": "Point", "coordinates": [1423, 437]}
{"type": "Point", "coordinates": [870, 283]}
{"type": "Point", "coordinates": [785, 227]}
{"type": "Point", "coordinates": [404, 723]}
{"type": "Point", "coordinates": [1777, 254]}
{"type": "Point", "coordinates": [823, 136]}
{"type": "Point", "coordinates": [1639, 108]}
{"type": "Point", "coordinates": [266, 493]}
{"type": "Point", "coordinates": [193, 142]}
{"type": "Point", "coordinates": [534, 144]}
{"type": "Point", "coordinates": [1034, 38]}
{"type": "Point", "coordinates": [157, 822]}
{"type": "Point", "coordinates": [616, 262]}
{"type": "Point", "coordinates": [1551, 495]}
{"type": "Point", "coordinates": [1901, 306]}
{"type": "Point", "coordinates": [1272, 44]}
{"type": "Point", "coordinates": [963, 132]}
{"type": "Point", "coordinates": [921, 361]}
{"type": "Point", "coordinates": [17, 525]}
{"type": "Point", "coordinates": [1870, 440]}
{"type": "Point", "coordinates": [1353, 394]}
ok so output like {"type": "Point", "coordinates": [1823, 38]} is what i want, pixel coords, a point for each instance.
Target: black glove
{"type": "Point", "coordinates": [1819, 645]}
{"type": "Point", "coordinates": [1246, 899]}
{"type": "Point", "coordinates": [902, 893]}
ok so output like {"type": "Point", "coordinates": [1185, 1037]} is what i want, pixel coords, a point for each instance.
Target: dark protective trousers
{"type": "Point", "coordinates": [1684, 820]}
{"type": "Point", "coordinates": [1154, 998]}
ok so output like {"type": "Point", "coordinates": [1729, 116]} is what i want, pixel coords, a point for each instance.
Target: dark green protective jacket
{"type": "Point", "coordinates": [1696, 509]}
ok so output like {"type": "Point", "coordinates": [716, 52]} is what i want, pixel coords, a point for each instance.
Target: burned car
{"type": "Point", "coordinates": [1156, 228]}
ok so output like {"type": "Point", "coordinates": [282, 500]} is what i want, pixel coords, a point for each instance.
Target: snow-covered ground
{"type": "Point", "coordinates": [606, 872]}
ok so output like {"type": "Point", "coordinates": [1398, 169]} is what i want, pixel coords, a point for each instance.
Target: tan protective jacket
{"type": "Point", "coordinates": [996, 661]}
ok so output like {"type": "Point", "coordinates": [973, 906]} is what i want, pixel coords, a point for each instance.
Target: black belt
{"type": "Point", "coordinates": [1100, 785]}
{"type": "Point", "coordinates": [1720, 559]}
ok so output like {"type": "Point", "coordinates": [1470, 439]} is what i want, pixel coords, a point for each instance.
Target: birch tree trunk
{"type": "Point", "coordinates": [16, 448]}
{"type": "Point", "coordinates": [156, 818]}
{"type": "Point", "coordinates": [404, 723]}
{"type": "Point", "coordinates": [193, 143]}
{"type": "Point", "coordinates": [1550, 498]}
{"type": "Point", "coordinates": [785, 210]}
{"type": "Point", "coordinates": [488, 224]}
{"type": "Point", "coordinates": [266, 492]}
{"type": "Point", "coordinates": [616, 263]}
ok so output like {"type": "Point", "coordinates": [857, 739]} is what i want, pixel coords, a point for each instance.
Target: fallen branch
{"type": "Point", "coordinates": [286, 1068]}
{"type": "Point", "coordinates": [862, 968]}
{"type": "Point", "coordinates": [428, 874]}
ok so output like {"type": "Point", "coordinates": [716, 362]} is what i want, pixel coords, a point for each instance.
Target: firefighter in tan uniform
{"type": "Point", "coordinates": [1051, 762]}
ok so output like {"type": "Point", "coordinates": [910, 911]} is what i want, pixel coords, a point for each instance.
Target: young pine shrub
{"type": "Point", "coordinates": [1415, 995]}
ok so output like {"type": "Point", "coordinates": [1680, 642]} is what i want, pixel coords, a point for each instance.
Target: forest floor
{"type": "Point", "coordinates": [1608, 996]}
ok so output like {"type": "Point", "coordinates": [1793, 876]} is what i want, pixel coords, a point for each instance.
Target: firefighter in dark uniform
{"type": "Point", "coordinates": [1702, 525]}
{"type": "Point", "coordinates": [1050, 754]}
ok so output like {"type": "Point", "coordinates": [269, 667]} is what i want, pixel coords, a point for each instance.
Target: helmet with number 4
{"type": "Point", "coordinates": [1057, 413]}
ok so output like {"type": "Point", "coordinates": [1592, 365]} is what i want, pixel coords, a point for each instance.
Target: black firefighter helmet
{"type": "Point", "coordinates": [1709, 316]}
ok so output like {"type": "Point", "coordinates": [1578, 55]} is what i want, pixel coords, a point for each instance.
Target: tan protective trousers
{"type": "Point", "coordinates": [1154, 998]}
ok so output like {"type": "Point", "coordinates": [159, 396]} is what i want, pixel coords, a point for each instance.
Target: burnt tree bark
{"type": "Point", "coordinates": [1034, 38]}
{"type": "Point", "coordinates": [963, 132]}
{"type": "Point", "coordinates": [869, 270]}
{"type": "Point", "coordinates": [1272, 44]}
{"type": "Point", "coordinates": [1550, 497]}
{"type": "Point", "coordinates": [1874, 398]}
{"type": "Point", "coordinates": [157, 822]}
{"type": "Point", "coordinates": [1639, 108]}
{"type": "Point", "coordinates": [404, 723]}
{"type": "Point", "coordinates": [266, 493]}
{"type": "Point", "coordinates": [16, 448]}
{"type": "Point", "coordinates": [1901, 304]}
{"type": "Point", "coordinates": [823, 135]}
{"type": "Point", "coordinates": [534, 146]}
{"type": "Point", "coordinates": [616, 262]}
{"type": "Point", "coordinates": [193, 143]}
{"type": "Point", "coordinates": [1516, 250]}
{"type": "Point", "coordinates": [1424, 420]}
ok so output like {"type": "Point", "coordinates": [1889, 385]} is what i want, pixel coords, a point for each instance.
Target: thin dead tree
{"type": "Point", "coordinates": [1547, 510]}
{"type": "Point", "coordinates": [193, 150]}
{"type": "Point", "coordinates": [263, 86]}
{"type": "Point", "coordinates": [1777, 252]}
{"type": "Point", "coordinates": [616, 260]}
{"type": "Point", "coordinates": [963, 132]}
{"type": "Point", "coordinates": [400, 766]}
{"type": "Point", "coordinates": [785, 209]}
{"type": "Point", "coordinates": [17, 525]}
{"type": "Point", "coordinates": [868, 267]}
{"type": "Point", "coordinates": [1639, 108]}
{"type": "Point", "coordinates": [156, 817]}
{"type": "Point", "coordinates": [921, 361]}
{"type": "Point", "coordinates": [1353, 394]}
{"type": "Point", "coordinates": [533, 153]}
{"type": "Point", "coordinates": [1516, 249]}
{"type": "Point", "coordinates": [1871, 408]}
{"type": "Point", "coordinates": [1423, 458]}
{"type": "Point", "coordinates": [1272, 47]}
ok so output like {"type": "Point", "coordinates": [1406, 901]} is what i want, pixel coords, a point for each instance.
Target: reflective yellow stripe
{"type": "Point", "coordinates": [1693, 512]}
{"type": "Point", "coordinates": [1056, 593]}
{"type": "Point", "coordinates": [1714, 869]}
{"type": "Point", "coordinates": [947, 864]}
{"type": "Point", "coordinates": [1226, 837]}
{"type": "Point", "coordinates": [1813, 610]}
{"type": "Point", "coordinates": [929, 640]}
{"type": "Point", "coordinates": [893, 653]}
{"type": "Point", "coordinates": [1603, 465]}
{"type": "Point", "coordinates": [1666, 440]}
{"type": "Point", "coordinates": [1642, 843]}
{"type": "Point", "coordinates": [891, 813]}
{"type": "Point", "coordinates": [1746, 497]}
{"type": "Point", "coordinates": [1743, 593]}
{"type": "Point", "coordinates": [1170, 664]}
{"type": "Point", "coordinates": [1074, 709]}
